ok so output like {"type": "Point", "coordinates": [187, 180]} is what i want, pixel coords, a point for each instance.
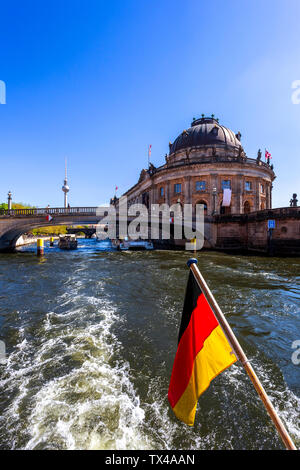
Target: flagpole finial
{"type": "Point", "coordinates": [191, 261]}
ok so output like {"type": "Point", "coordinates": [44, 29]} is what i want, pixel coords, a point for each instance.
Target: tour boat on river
{"type": "Point", "coordinates": [133, 245]}
{"type": "Point", "coordinates": [67, 242]}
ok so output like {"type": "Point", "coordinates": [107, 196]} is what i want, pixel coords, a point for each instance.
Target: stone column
{"type": "Point", "coordinates": [213, 198]}
{"type": "Point", "coordinates": [153, 194]}
{"type": "Point", "coordinates": [9, 200]}
{"type": "Point", "coordinates": [149, 197]}
{"type": "Point", "coordinates": [187, 190]}
{"type": "Point", "coordinates": [168, 195]}
{"type": "Point", "coordinates": [267, 196]}
{"type": "Point", "coordinates": [257, 195]}
{"type": "Point", "coordinates": [240, 187]}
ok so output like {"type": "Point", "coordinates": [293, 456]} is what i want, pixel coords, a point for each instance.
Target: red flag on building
{"type": "Point", "coordinates": [203, 352]}
{"type": "Point", "coordinates": [149, 154]}
{"type": "Point", "coordinates": [267, 155]}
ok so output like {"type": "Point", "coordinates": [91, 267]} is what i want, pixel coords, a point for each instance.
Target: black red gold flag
{"type": "Point", "coordinates": [203, 352]}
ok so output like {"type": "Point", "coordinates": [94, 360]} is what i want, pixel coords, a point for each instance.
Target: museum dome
{"type": "Point", "coordinates": [206, 131]}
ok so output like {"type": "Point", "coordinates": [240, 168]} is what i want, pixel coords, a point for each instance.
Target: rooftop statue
{"type": "Point", "coordinates": [152, 169]}
{"type": "Point", "coordinates": [258, 156]}
{"type": "Point", "coordinates": [294, 201]}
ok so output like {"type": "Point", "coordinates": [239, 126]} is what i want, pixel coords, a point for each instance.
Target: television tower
{"type": "Point", "coordinates": [65, 187]}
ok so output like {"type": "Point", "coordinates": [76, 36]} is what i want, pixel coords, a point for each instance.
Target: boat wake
{"type": "Point", "coordinates": [72, 393]}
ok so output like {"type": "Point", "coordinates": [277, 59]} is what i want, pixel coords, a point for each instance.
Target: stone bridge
{"type": "Point", "coordinates": [16, 222]}
{"type": "Point", "coordinates": [234, 232]}
{"type": "Point", "coordinates": [87, 231]}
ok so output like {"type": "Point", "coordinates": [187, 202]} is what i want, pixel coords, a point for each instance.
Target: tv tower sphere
{"type": "Point", "coordinates": [65, 187]}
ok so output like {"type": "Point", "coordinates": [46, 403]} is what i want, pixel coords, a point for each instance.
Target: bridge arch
{"type": "Point", "coordinates": [16, 222]}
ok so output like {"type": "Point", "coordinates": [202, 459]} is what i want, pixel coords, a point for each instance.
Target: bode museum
{"type": "Point", "coordinates": [203, 161]}
{"type": "Point", "coordinates": [207, 164]}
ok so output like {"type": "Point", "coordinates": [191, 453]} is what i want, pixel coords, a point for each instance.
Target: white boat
{"type": "Point", "coordinates": [133, 245]}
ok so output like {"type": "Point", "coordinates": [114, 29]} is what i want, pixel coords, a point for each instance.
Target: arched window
{"type": "Point", "coordinates": [246, 207]}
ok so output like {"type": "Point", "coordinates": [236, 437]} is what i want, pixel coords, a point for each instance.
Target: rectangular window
{"type": "Point", "coordinates": [262, 188]}
{"type": "Point", "coordinates": [226, 184]}
{"type": "Point", "coordinates": [200, 185]}
{"type": "Point", "coordinates": [177, 188]}
{"type": "Point", "coordinates": [248, 186]}
{"type": "Point", "coordinates": [161, 191]}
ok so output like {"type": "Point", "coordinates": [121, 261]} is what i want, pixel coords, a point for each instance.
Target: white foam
{"type": "Point", "coordinates": [94, 405]}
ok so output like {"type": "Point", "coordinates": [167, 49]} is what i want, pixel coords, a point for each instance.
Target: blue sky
{"type": "Point", "coordinates": [97, 82]}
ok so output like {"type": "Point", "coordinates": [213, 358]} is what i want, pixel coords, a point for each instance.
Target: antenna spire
{"type": "Point", "coordinates": [65, 168]}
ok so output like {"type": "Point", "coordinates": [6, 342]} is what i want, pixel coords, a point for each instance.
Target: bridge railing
{"type": "Point", "coordinates": [53, 211]}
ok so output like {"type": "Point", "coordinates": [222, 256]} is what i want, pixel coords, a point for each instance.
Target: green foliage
{"type": "Point", "coordinates": [16, 205]}
{"type": "Point", "coordinates": [56, 230]}
{"type": "Point", "coordinates": [21, 205]}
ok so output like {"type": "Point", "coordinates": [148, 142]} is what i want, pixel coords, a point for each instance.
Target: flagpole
{"type": "Point", "coordinates": [149, 153]}
{"type": "Point", "coordinates": [192, 264]}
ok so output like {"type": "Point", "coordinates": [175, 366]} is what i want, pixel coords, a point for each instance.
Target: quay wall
{"type": "Point", "coordinates": [24, 240]}
{"type": "Point", "coordinates": [249, 232]}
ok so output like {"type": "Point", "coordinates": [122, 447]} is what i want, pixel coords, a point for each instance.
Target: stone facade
{"type": "Point", "coordinates": [202, 161]}
{"type": "Point", "coordinates": [249, 232]}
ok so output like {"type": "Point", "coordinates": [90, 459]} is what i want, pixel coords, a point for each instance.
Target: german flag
{"type": "Point", "coordinates": [203, 352]}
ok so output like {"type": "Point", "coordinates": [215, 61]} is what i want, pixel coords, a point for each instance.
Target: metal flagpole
{"type": "Point", "coordinates": [238, 351]}
{"type": "Point", "coordinates": [149, 155]}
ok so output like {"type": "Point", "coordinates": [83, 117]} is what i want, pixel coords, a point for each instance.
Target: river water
{"type": "Point", "coordinates": [91, 336]}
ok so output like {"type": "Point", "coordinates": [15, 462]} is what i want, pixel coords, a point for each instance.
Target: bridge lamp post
{"type": "Point", "coordinates": [179, 202]}
{"type": "Point", "coordinates": [9, 200]}
{"type": "Point", "coordinates": [179, 207]}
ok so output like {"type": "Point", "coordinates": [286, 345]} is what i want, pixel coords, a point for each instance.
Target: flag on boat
{"type": "Point", "coordinates": [48, 218]}
{"type": "Point", "coordinates": [203, 352]}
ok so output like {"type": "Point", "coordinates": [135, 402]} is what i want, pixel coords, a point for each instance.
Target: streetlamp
{"type": "Point", "coordinates": [9, 200]}
{"type": "Point", "coordinates": [179, 205]}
